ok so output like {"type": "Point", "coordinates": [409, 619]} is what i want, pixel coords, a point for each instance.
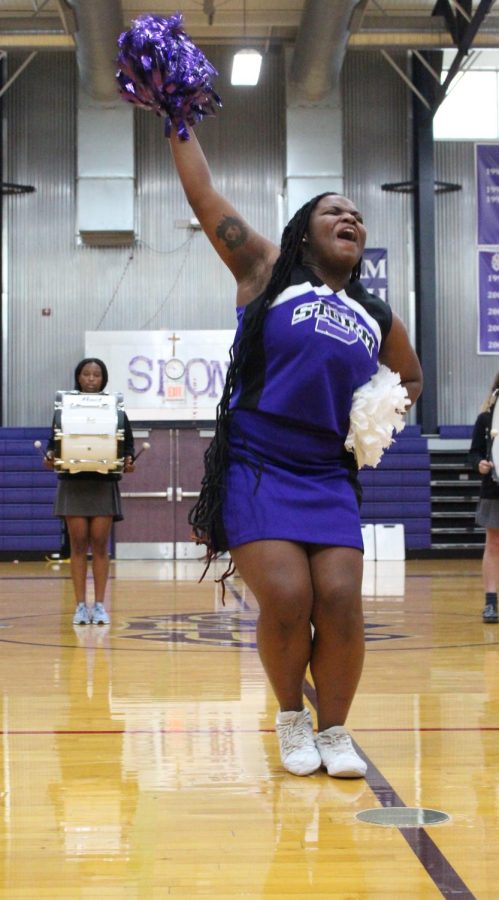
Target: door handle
{"type": "Point", "coordinates": [186, 495]}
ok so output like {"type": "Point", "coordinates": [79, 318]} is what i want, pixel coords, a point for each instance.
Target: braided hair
{"type": "Point", "coordinates": [206, 516]}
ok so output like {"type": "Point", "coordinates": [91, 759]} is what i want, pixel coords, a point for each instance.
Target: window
{"type": "Point", "coordinates": [470, 110]}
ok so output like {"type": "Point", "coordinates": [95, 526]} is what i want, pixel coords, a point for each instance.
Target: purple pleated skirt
{"type": "Point", "coordinates": [288, 483]}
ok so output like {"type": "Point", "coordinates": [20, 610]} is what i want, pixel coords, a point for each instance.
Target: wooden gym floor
{"type": "Point", "coordinates": [139, 760]}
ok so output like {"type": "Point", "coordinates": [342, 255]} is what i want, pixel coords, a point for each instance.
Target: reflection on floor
{"type": "Point", "coordinates": [138, 760]}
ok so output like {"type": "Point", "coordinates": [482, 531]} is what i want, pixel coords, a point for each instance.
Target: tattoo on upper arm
{"type": "Point", "coordinates": [232, 231]}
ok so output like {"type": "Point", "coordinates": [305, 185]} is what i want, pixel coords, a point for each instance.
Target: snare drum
{"type": "Point", "coordinates": [89, 432]}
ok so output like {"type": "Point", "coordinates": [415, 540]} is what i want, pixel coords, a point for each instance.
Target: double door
{"type": "Point", "coordinates": [157, 497]}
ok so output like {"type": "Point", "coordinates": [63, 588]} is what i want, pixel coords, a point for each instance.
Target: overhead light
{"type": "Point", "coordinates": [246, 67]}
{"type": "Point", "coordinates": [246, 63]}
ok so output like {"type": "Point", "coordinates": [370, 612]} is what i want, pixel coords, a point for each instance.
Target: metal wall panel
{"type": "Point", "coordinates": [377, 151]}
{"type": "Point", "coordinates": [39, 121]}
{"type": "Point", "coordinates": [377, 141]}
{"type": "Point", "coordinates": [172, 278]}
{"type": "Point", "coordinates": [464, 376]}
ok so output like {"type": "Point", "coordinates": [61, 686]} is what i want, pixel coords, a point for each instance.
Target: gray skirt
{"type": "Point", "coordinates": [487, 514]}
{"type": "Point", "coordinates": [87, 497]}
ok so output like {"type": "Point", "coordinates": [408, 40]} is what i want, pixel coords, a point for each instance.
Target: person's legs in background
{"type": "Point", "coordinates": [100, 530]}
{"type": "Point", "coordinates": [490, 573]}
{"type": "Point", "coordinates": [79, 536]}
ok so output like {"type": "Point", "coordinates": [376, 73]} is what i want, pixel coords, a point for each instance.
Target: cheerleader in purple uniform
{"type": "Point", "coordinates": [280, 491]}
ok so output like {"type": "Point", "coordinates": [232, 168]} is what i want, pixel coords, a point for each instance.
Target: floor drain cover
{"type": "Point", "coordinates": [403, 816]}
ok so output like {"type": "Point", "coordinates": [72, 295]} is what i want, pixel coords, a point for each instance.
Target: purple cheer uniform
{"type": "Point", "coordinates": [289, 476]}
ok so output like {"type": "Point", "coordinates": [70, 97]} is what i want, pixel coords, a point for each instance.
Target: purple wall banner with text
{"type": "Point", "coordinates": [488, 301]}
{"type": "Point", "coordinates": [374, 272]}
{"type": "Point", "coordinates": [487, 193]}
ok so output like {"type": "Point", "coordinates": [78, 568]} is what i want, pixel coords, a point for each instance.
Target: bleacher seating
{"type": "Point", "coordinates": [27, 526]}
{"type": "Point", "coordinates": [398, 490]}
{"type": "Point", "coordinates": [455, 490]}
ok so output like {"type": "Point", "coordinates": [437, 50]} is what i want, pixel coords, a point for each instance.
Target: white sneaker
{"type": "Point", "coordinates": [81, 616]}
{"type": "Point", "coordinates": [99, 615]}
{"type": "Point", "coordinates": [338, 755]}
{"type": "Point", "coordinates": [295, 733]}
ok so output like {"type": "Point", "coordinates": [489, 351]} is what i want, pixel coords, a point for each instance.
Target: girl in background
{"type": "Point", "coordinates": [487, 514]}
{"type": "Point", "coordinates": [90, 502]}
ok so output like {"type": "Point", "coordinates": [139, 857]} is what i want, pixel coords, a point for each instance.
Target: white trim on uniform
{"type": "Point", "coordinates": [300, 290]}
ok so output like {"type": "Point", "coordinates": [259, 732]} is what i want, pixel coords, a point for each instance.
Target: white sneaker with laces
{"type": "Point", "coordinates": [99, 615]}
{"type": "Point", "coordinates": [81, 616]}
{"type": "Point", "coordinates": [295, 733]}
{"type": "Point", "coordinates": [338, 754]}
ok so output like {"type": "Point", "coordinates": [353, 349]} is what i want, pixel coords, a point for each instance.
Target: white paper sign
{"type": "Point", "coordinates": [165, 375]}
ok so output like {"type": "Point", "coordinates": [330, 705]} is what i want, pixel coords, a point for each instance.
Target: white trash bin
{"type": "Point", "coordinates": [389, 542]}
{"type": "Point", "coordinates": [368, 539]}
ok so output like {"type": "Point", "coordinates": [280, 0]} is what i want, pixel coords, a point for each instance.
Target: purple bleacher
{"type": "Point", "coordinates": [26, 495]}
{"type": "Point", "coordinates": [19, 463]}
{"type": "Point", "coordinates": [33, 527]}
{"type": "Point", "coordinates": [392, 478]}
{"type": "Point", "coordinates": [32, 434]}
{"type": "Point", "coordinates": [42, 479]}
{"type": "Point", "coordinates": [410, 431]}
{"type": "Point", "coordinates": [25, 511]}
{"type": "Point", "coordinates": [12, 544]}
{"type": "Point", "coordinates": [456, 432]}
{"type": "Point", "coordinates": [394, 494]}
{"type": "Point", "coordinates": [385, 512]}
{"type": "Point", "coordinates": [27, 492]}
{"type": "Point", "coordinates": [397, 460]}
{"type": "Point", "coordinates": [398, 490]}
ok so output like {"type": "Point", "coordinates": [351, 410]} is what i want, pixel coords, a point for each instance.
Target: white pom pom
{"type": "Point", "coordinates": [378, 409]}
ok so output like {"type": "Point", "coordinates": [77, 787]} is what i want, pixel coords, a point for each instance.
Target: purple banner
{"type": "Point", "coordinates": [374, 274]}
{"type": "Point", "coordinates": [487, 194]}
{"type": "Point", "coordinates": [488, 301]}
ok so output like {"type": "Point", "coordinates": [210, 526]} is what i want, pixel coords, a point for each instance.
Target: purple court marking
{"type": "Point", "coordinates": [431, 858]}
{"type": "Point", "coordinates": [443, 875]}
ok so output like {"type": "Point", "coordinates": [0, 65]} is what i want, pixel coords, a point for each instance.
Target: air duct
{"type": "Point", "coordinates": [98, 25]}
{"type": "Point", "coordinates": [105, 147]}
{"type": "Point", "coordinates": [321, 44]}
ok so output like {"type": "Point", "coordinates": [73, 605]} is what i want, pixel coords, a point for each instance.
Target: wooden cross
{"type": "Point", "coordinates": [173, 338]}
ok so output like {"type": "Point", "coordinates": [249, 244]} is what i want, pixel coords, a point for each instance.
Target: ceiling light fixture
{"type": "Point", "coordinates": [247, 62]}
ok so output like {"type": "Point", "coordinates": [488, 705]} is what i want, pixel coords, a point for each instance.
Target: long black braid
{"type": "Point", "coordinates": [206, 516]}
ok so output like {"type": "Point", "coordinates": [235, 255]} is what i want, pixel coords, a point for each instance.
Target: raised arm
{"type": "Point", "coordinates": [398, 354]}
{"type": "Point", "coordinates": [248, 255]}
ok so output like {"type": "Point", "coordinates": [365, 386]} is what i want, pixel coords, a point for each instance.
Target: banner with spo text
{"type": "Point", "coordinates": [165, 375]}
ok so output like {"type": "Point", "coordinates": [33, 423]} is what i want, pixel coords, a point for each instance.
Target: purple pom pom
{"type": "Point", "coordinates": [163, 70]}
